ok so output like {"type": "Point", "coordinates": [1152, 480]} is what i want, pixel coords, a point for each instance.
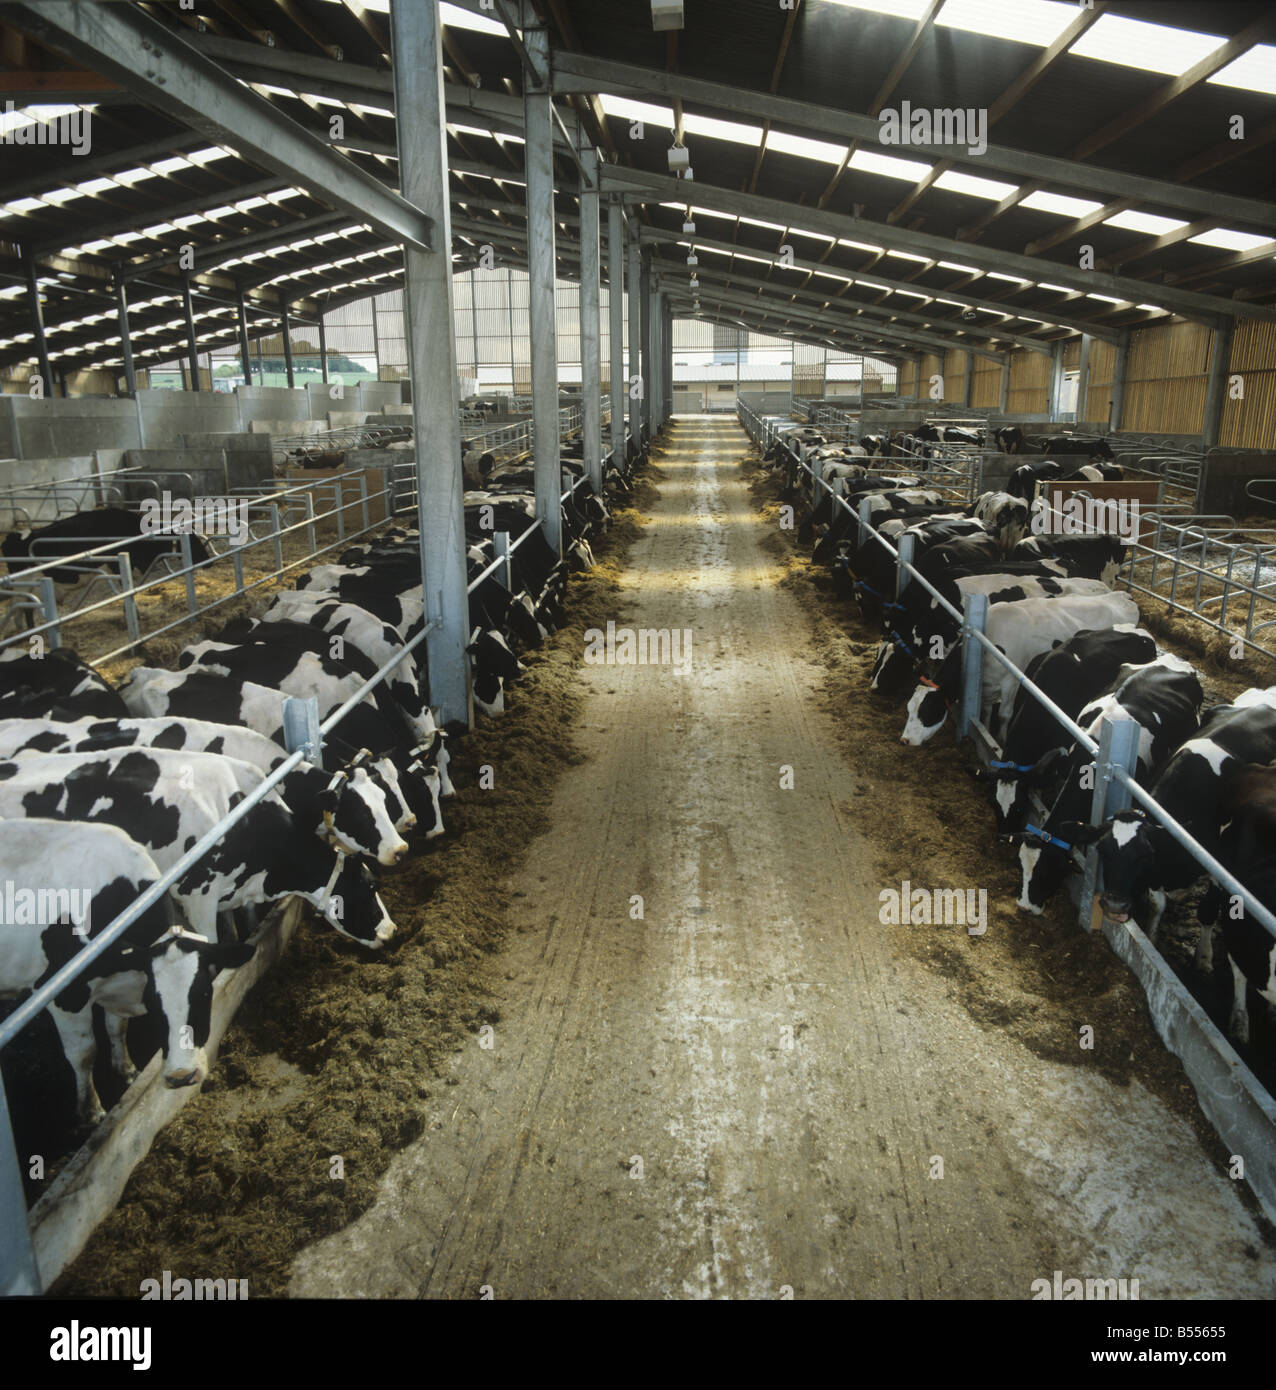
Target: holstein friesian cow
{"type": "Point", "coordinates": [1091, 446]}
{"type": "Point", "coordinates": [153, 968]}
{"type": "Point", "coordinates": [1005, 516]}
{"type": "Point", "coordinates": [1009, 439]}
{"type": "Point", "coordinates": [1141, 861]}
{"type": "Point", "coordinates": [948, 434]}
{"type": "Point", "coordinates": [86, 531]}
{"type": "Point", "coordinates": [1096, 555]}
{"type": "Point", "coordinates": [197, 694]}
{"type": "Point", "coordinates": [924, 631]}
{"type": "Point", "coordinates": [168, 801]}
{"type": "Point", "coordinates": [1071, 675]}
{"type": "Point", "coordinates": [1164, 698]}
{"type": "Point", "coordinates": [347, 807]}
{"type": "Point", "coordinates": [1247, 846]}
{"type": "Point", "coordinates": [59, 677]}
{"type": "Point", "coordinates": [289, 655]}
{"type": "Point", "coordinates": [1020, 630]}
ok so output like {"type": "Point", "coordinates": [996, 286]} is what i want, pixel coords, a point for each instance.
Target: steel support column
{"type": "Point", "coordinates": [616, 315]}
{"type": "Point", "coordinates": [591, 369]}
{"type": "Point", "coordinates": [192, 342]}
{"type": "Point", "coordinates": [427, 296]}
{"type": "Point", "coordinates": [1083, 378]}
{"type": "Point", "coordinates": [668, 358]}
{"type": "Point", "coordinates": [633, 373]}
{"type": "Point", "coordinates": [1005, 384]}
{"type": "Point", "coordinates": [1118, 382]}
{"type": "Point", "coordinates": [1216, 387]}
{"type": "Point", "coordinates": [970, 379]}
{"type": "Point", "coordinates": [323, 348]}
{"type": "Point", "coordinates": [285, 332]}
{"type": "Point", "coordinates": [644, 331]}
{"type": "Point", "coordinates": [126, 338]}
{"type": "Point", "coordinates": [538, 125]}
{"type": "Point", "coordinates": [1056, 382]}
{"type": "Point", "coordinates": [37, 327]}
{"type": "Point", "coordinates": [245, 352]}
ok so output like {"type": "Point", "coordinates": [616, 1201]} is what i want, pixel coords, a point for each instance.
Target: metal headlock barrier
{"type": "Point", "coordinates": [303, 735]}
{"type": "Point", "coordinates": [1232, 1097]}
{"type": "Point", "coordinates": [32, 588]}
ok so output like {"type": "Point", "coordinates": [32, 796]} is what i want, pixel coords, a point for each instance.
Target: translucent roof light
{"type": "Point", "coordinates": [1147, 222]}
{"type": "Point", "coordinates": [1060, 203]}
{"type": "Point", "coordinates": [1254, 71]}
{"type": "Point", "coordinates": [889, 166]}
{"type": "Point", "coordinates": [1037, 22]}
{"type": "Point", "coordinates": [1136, 43]}
{"type": "Point", "coordinates": [1227, 240]}
{"type": "Point", "coordinates": [991, 189]}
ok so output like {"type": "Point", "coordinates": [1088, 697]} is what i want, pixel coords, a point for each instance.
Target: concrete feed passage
{"type": "Point", "coordinates": [751, 1089]}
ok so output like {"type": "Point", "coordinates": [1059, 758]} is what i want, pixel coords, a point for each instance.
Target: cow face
{"type": "Point", "coordinates": [892, 671]}
{"type": "Point", "coordinates": [350, 903]}
{"type": "Point", "coordinates": [1043, 868]}
{"type": "Point", "coordinates": [421, 785]}
{"type": "Point", "coordinates": [1128, 850]}
{"type": "Point", "coordinates": [179, 992]}
{"type": "Point", "coordinates": [927, 712]}
{"type": "Point", "coordinates": [357, 818]}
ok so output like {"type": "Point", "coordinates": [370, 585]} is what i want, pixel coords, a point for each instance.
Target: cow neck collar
{"type": "Point", "coordinates": [930, 684]}
{"type": "Point", "coordinates": [338, 863]}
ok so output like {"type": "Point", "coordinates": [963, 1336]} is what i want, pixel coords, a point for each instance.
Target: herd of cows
{"type": "Point", "coordinates": [1053, 613]}
{"type": "Point", "coordinates": [102, 789]}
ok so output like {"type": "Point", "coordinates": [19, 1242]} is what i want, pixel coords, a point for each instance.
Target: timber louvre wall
{"type": "Point", "coordinates": [19, 1269]}
{"type": "Point", "coordinates": [1232, 1098]}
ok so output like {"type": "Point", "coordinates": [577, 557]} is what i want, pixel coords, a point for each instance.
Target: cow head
{"type": "Point", "coordinates": [892, 670]}
{"type": "Point", "coordinates": [928, 707]}
{"type": "Point", "coordinates": [349, 902]}
{"type": "Point", "coordinates": [356, 817]}
{"type": "Point", "coordinates": [178, 992]}
{"type": "Point", "coordinates": [1044, 862]}
{"type": "Point", "coordinates": [1128, 846]}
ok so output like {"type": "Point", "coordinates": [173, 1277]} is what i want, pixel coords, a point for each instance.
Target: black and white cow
{"type": "Point", "coordinates": [1247, 846]}
{"type": "Point", "coordinates": [168, 801]}
{"type": "Point", "coordinates": [347, 807]}
{"type": "Point", "coordinates": [1009, 439]}
{"type": "Point", "coordinates": [69, 535]}
{"type": "Point", "coordinates": [57, 677]}
{"type": "Point", "coordinates": [1071, 675]}
{"type": "Point", "coordinates": [1025, 479]}
{"type": "Point", "coordinates": [1005, 516]}
{"type": "Point", "coordinates": [924, 631]}
{"type": "Point", "coordinates": [153, 968]}
{"type": "Point", "coordinates": [408, 777]}
{"type": "Point", "coordinates": [195, 692]}
{"type": "Point", "coordinates": [1096, 555]}
{"type": "Point", "coordinates": [1091, 446]}
{"type": "Point", "coordinates": [1020, 630]}
{"type": "Point", "coordinates": [1164, 698]}
{"type": "Point", "coordinates": [1141, 861]}
{"type": "Point", "coordinates": [948, 434]}
{"type": "Point", "coordinates": [290, 656]}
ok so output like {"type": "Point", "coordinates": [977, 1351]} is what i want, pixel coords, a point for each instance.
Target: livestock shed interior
{"type": "Point", "coordinates": [650, 625]}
